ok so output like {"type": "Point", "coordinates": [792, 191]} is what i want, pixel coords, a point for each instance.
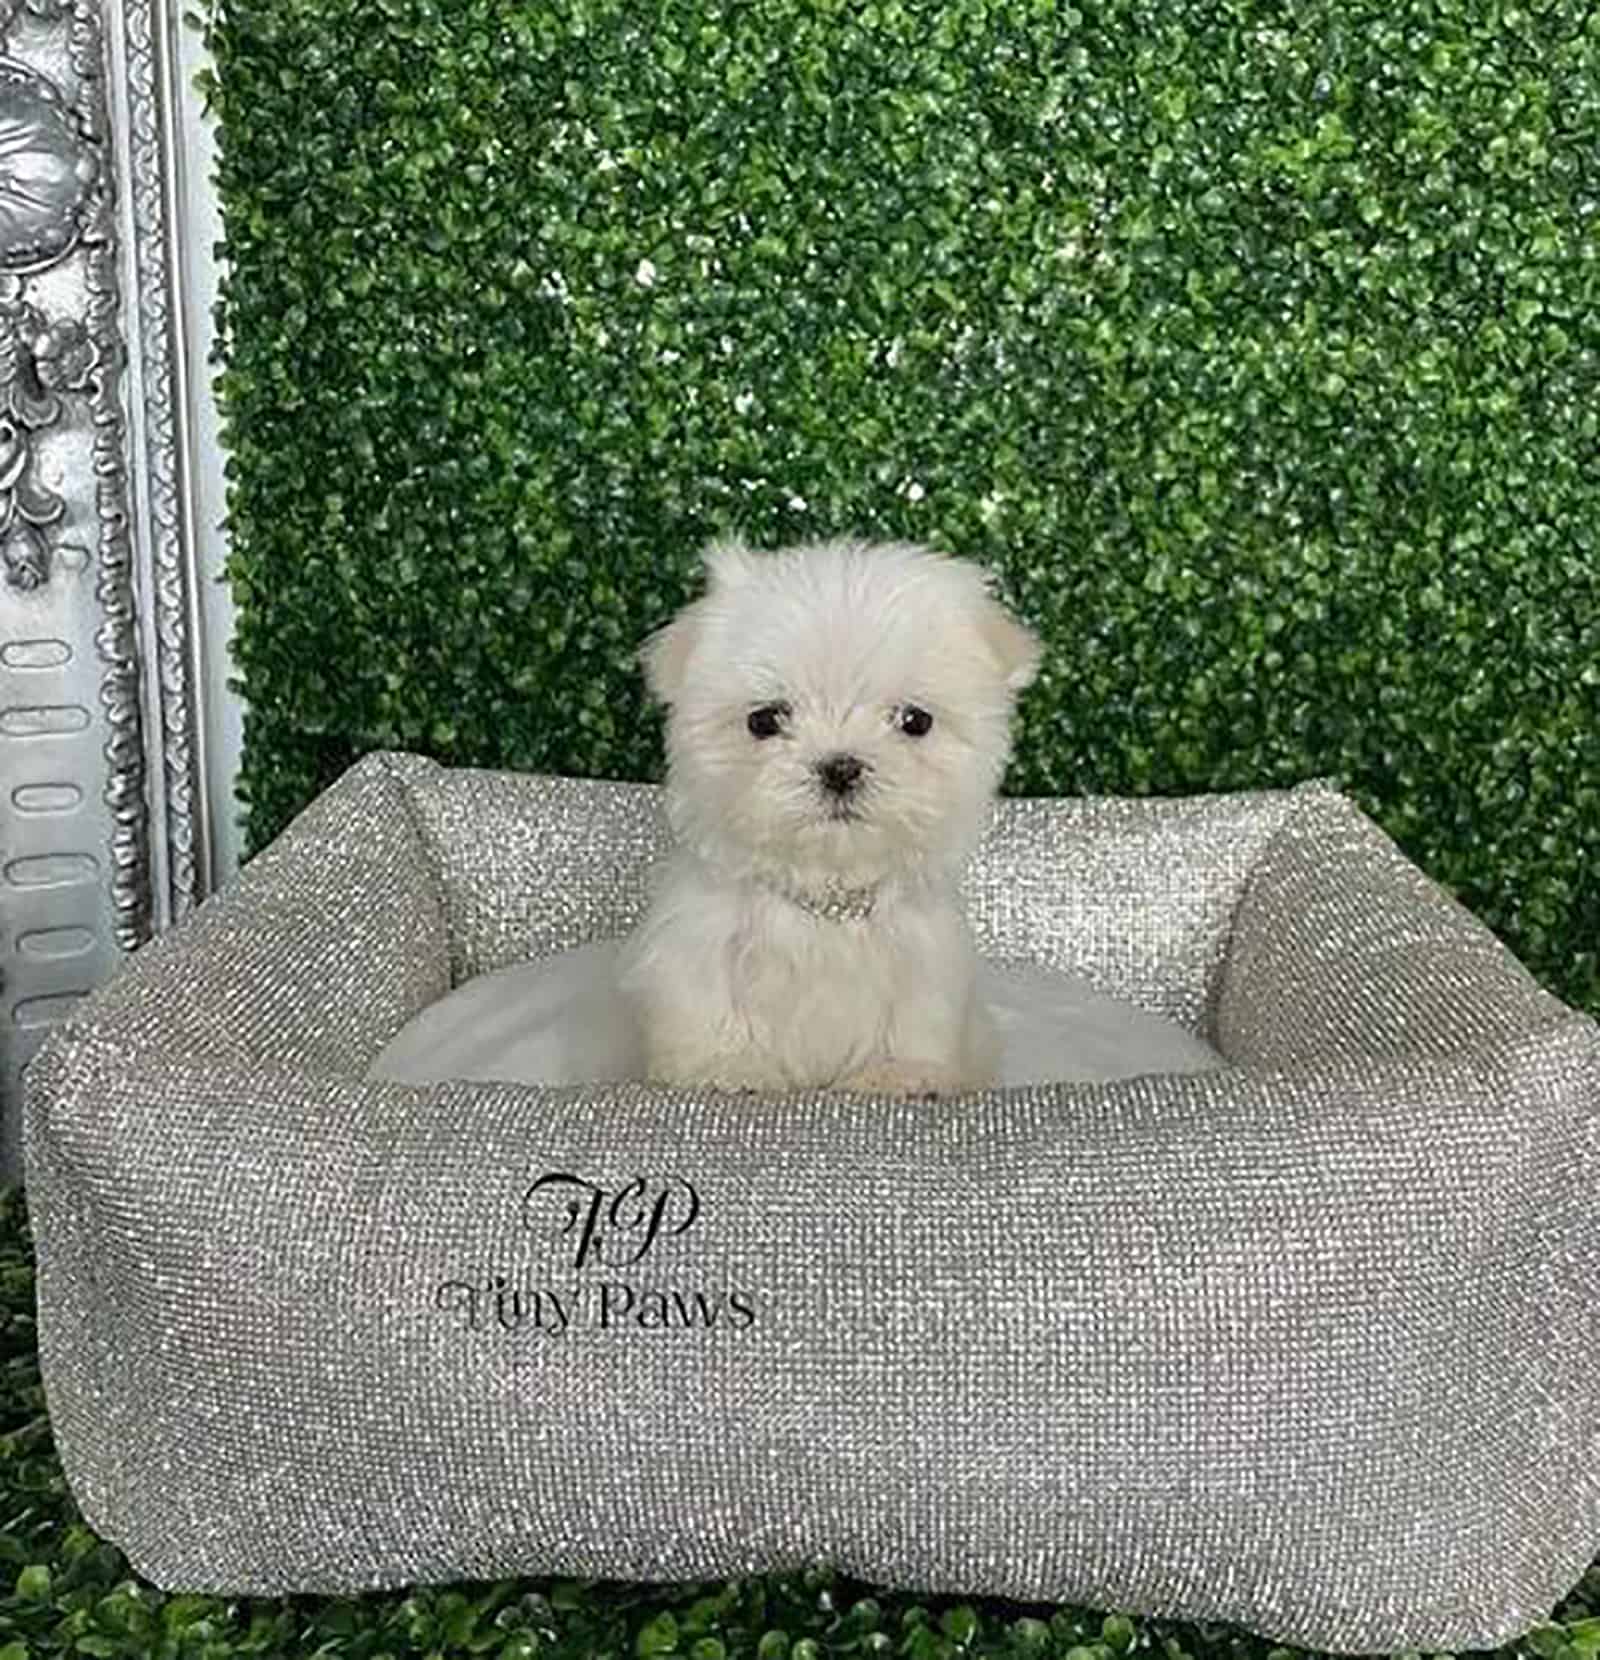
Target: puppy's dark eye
{"type": "Point", "coordinates": [768, 721]}
{"type": "Point", "coordinates": [914, 722]}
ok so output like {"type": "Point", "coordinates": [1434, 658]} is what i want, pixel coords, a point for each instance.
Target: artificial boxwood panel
{"type": "Point", "coordinates": [1255, 347]}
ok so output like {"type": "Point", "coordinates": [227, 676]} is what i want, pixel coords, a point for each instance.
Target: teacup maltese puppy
{"type": "Point", "coordinates": [837, 722]}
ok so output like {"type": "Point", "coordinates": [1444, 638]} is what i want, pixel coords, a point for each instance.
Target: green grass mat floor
{"type": "Point", "coordinates": [64, 1591]}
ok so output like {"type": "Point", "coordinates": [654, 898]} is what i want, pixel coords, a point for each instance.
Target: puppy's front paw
{"type": "Point", "coordinates": [885, 1076]}
{"type": "Point", "coordinates": [734, 1072]}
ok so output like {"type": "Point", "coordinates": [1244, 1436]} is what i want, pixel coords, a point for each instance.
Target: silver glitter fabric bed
{"type": "Point", "coordinates": [1306, 1344]}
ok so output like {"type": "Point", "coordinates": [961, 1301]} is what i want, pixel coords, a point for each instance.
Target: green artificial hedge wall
{"type": "Point", "coordinates": [1254, 346]}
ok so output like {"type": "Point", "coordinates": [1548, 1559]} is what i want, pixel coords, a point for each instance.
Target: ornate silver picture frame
{"type": "Point", "coordinates": [115, 761]}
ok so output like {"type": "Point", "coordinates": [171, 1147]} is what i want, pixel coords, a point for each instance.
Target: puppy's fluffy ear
{"type": "Point", "coordinates": [728, 562]}
{"type": "Point", "coordinates": [1015, 649]}
{"type": "Point", "coordinates": [664, 655]}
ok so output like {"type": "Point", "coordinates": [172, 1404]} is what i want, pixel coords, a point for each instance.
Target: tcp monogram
{"type": "Point", "coordinates": [646, 1217]}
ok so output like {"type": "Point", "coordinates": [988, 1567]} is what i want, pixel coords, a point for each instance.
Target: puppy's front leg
{"type": "Point", "coordinates": [938, 1039]}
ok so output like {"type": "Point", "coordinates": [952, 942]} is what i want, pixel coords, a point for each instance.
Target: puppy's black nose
{"type": "Point", "coordinates": [840, 773]}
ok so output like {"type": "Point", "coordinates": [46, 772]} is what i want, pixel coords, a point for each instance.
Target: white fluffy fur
{"type": "Point", "coordinates": [736, 985]}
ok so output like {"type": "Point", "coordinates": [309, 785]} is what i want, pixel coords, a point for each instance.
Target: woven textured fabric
{"type": "Point", "coordinates": [1305, 1344]}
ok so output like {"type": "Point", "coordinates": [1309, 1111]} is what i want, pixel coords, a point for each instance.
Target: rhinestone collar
{"type": "Point", "coordinates": [833, 902]}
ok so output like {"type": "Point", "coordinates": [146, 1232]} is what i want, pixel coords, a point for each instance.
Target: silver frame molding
{"type": "Point", "coordinates": [144, 69]}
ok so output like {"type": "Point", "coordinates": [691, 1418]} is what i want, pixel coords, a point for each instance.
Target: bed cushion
{"type": "Point", "coordinates": [563, 1019]}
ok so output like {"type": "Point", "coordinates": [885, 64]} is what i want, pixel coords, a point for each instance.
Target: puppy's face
{"type": "Point", "coordinates": [837, 710]}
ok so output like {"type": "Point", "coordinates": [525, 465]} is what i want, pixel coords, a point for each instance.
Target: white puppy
{"type": "Point", "coordinates": [838, 720]}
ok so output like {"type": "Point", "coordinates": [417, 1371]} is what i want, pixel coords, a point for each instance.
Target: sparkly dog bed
{"type": "Point", "coordinates": [1305, 1343]}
